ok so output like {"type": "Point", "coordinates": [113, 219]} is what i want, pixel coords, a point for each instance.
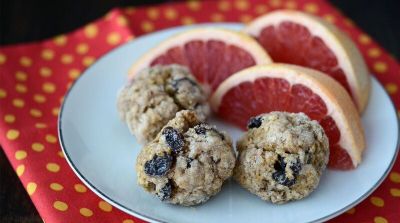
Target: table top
{"type": "Point", "coordinates": [20, 23]}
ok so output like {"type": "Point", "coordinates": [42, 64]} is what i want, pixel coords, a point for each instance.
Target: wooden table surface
{"type": "Point", "coordinates": [22, 21]}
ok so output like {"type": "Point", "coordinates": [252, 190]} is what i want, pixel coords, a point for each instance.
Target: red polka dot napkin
{"type": "Point", "coordinates": [34, 78]}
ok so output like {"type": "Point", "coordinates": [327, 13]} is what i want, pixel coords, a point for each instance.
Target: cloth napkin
{"type": "Point", "coordinates": [34, 78]}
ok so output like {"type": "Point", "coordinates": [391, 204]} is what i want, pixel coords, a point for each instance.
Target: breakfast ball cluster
{"type": "Point", "coordinates": [187, 162]}
{"type": "Point", "coordinates": [155, 95]}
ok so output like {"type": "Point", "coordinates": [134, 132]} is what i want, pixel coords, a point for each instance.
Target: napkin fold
{"type": "Point", "coordinates": [34, 78]}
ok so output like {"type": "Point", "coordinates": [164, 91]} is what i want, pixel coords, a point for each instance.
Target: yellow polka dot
{"type": "Point", "coordinates": [391, 88]}
{"type": "Point", "coordinates": [36, 113]}
{"type": "Point", "coordinates": [20, 170]}
{"type": "Point", "coordinates": [275, 3]}
{"type": "Point", "coordinates": [55, 111]}
{"type": "Point", "coordinates": [12, 134]}
{"type": "Point", "coordinates": [377, 201]}
{"type": "Point", "coordinates": [128, 221]}
{"type": "Point", "coordinates": [49, 87]}
{"type": "Point", "coordinates": [86, 212]}
{"type": "Point", "coordinates": [45, 72]}
{"type": "Point", "coordinates": [194, 5]}
{"type": "Point", "coordinates": [19, 103]}
{"type": "Point", "coordinates": [153, 13]}
{"type": "Point", "coordinates": [105, 206]}
{"type": "Point", "coordinates": [122, 21]}
{"type": "Point", "coordinates": [3, 93]}
{"type": "Point", "coordinates": [330, 18]}
{"type": "Point", "coordinates": [56, 187]}
{"type": "Point", "coordinates": [82, 48]}
{"type": "Point", "coordinates": [241, 5]}
{"type": "Point", "coordinates": [348, 22]}
{"type": "Point", "coordinates": [351, 211]}
{"type": "Point", "coordinates": [20, 154]}
{"type": "Point", "coordinates": [21, 88]}
{"type": "Point", "coordinates": [395, 192]}
{"type": "Point", "coordinates": [61, 206]}
{"type": "Point", "coordinates": [395, 177]}
{"type": "Point", "coordinates": [80, 188]}
{"type": "Point", "coordinates": [380, 67]}
{"type": "Point", "coordinates": [3, 58]}
{"type": "Point", "coordinates": [91, 31]}
{"type": "Point", "coordinates": [379, 219]}
{"type": "Point", "coordinates": [87, 61]}
{"type": "Point", "coordinates": [186, 20]}
{"type": "Point", "coordinates": [374, 52]}
{"type": "Point", "coordinates": [69, 85]}
{"type": "Point", "coordinates": [25, 61]}
{"type": "Point", "coordinates": [147, 26]}
{"type": "Point", "coordinates": [74, 73]}
{"type": "Point", "coordinates": [37, 147]}
{"type": "Point", "coordinates": [39, 98]}
{"type": "Point", "coordinates": [53, 167]}
{"type": "Point", "coordinates": [130, 10]}
{"type": "Point", "coordinates": [364, 39]}
{"type": "Point", "coordinates": [291, 5]}
{"type": "Point", "coordinates": [261, 9]}
{"type": "Point", "coordinates": [60, 40]}
{"type": "Point", "coordinates": [47, 54]}
{"type": "Point", "coordinates": [60, 154]}
{"type": "Point", "coordinates": [311, 8]}
{"type": "Point", "coordinates": [224, 5]}
{"type": "Point", "coordinates": [21, 76]}
{"type": "Point", "coordinates": [61, 99]}
{"type": "Point", "coordinates": [67, 59]}
{"type": "Point", "coordinates": [31, 188]}
{"type": "Point", "coordinates": [245, 18]}
{"type": "Point", "coordinates": [170, 14]}
{"type": "Point", "coordinates": [40, 125]}
{"type": "Point", "coordinates": [113, 38]}
{"type": "Point", "coordinates": [9, 118]}
{"type": "Point", "coordinates": [51, 138]}
{"type": "Point", "coordinates": [217, 17]}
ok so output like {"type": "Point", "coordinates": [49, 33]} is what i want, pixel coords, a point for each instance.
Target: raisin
{"type": "Point", "coordinates": [296, 167]}
{"type": "Point", "coordinates": [200, 129]}
{"type": "Point", "coordinates": [175, 83]}
{"type": "Point", "coordinates": [165, 192]}
{"type": "Point", "coordinates": [158, 165]}
{"type": "Point", "coordinates": [174, 139]}
{"type": "Point", "coordinates": [280, 164]}
{"type": "Point", "coordinates": [189, 162]}
{"type": "Point", "coordinates": [280, 178]}
{"type": "Point", "coordinates": [254, 122]}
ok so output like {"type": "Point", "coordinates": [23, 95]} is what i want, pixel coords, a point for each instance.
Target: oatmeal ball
{"type": "Point", "coordinates": [155, 95]}
{"type": "Point", "coordinates": [187, 162]}
{"type": "Point", "coordinates": [281, 156]}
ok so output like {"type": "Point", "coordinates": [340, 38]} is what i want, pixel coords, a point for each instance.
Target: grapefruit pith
{"type": "Point", "coordinates": [211, 54]}
{"type": "Point", "coordinates": [291, 88]}
{"type": "Point", "coordinates": [298, 38]}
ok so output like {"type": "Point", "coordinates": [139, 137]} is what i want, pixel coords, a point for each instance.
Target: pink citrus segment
{"type": "Point", "coordinates": [263, 89]}
{"type": "Point", "coordinates": [298, 38]}
{"type": "Point", "coordinates": [211, 54]}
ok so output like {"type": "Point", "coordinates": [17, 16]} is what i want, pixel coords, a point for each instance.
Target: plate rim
{"type": "Point", "coordinates": [134, 213]}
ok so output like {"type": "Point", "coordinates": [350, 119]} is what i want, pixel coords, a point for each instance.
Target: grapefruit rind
{"type": "Point", "coordinates": [339, 104]}
{"type": "Point", "coordinates": [239, 39]}
{"type": "Point", "coordinates": [348, 56]}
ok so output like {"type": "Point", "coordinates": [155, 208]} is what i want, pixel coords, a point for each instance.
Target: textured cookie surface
{"type": "Point", "coordinates": [155, 95]}
{"type": "Point", "coordinates": [188, 161]}
{"type": "Point", "coordinates": [281, 156]}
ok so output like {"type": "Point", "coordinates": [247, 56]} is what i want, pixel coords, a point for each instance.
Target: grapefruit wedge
{"type": "Point", "coordinates": [291, 88]}
{"type": "Point", "coordinates": [211, 54]}
{"type": "Point", "coordinates": [298, 38]}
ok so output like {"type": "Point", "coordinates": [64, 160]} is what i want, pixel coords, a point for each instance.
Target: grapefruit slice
{"type": "Point", "coordinates": [291, 88]}
{"type": "Point", "coordinates": [211, 54]}
{"type": "Point", "coordinates": [298, 38]}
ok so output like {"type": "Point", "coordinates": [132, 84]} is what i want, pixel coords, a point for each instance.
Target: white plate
{"type": "Point", "coordinates": [102, 153]}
